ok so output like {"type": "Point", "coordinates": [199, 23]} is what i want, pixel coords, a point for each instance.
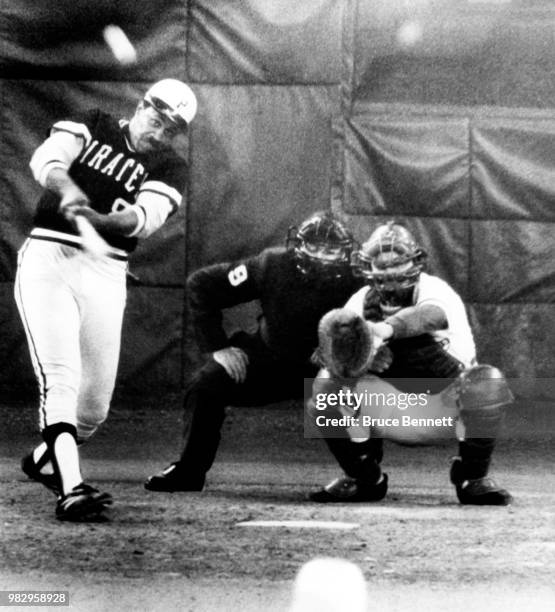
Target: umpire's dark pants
{"type": "Point", "coordinates": [211, 390]}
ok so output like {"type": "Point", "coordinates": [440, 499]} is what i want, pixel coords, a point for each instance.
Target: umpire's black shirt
{"type": "Point", "coordinates": [292, 302]}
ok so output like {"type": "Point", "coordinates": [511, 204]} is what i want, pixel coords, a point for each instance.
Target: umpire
{"type": "Point", "coordinates": [295, 285]}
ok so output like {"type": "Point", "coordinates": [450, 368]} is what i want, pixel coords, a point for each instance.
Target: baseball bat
{"type": "Point", "coordinates": [91, 241]}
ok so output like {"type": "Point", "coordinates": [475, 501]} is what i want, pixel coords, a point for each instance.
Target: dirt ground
{"type": "Point", "coordinates": [418, 549]}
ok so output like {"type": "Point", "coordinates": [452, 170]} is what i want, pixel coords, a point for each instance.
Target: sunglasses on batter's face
{"type": "Point", "coordinates": [166, 111]}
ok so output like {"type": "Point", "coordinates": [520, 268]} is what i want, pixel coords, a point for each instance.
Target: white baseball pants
{"type": "Point", "coordinates": [72, 308]}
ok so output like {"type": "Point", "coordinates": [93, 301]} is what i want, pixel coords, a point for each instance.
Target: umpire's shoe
{"type": "Point", "coordinates": [32, 470]}
{"type": "Point", "coordinates": [346, 490]}
{"type": "Point", "coordinates": [479, 491]}
{"type": "Point", "coordinates": [174, 478]}
{"type": "Point", "coordinates": [82, 503]}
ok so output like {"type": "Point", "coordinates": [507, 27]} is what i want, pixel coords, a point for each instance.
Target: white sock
{"type": "Point", "coordinates": [67, 458]}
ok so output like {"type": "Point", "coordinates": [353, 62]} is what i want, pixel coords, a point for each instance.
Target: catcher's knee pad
{"type": "Point", "coordinates": [344, 343]}
{"type": "Point", "coordinates": [483, 393]}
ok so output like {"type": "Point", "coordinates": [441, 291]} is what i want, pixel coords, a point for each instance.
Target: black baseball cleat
{"type": "Point", "coordinates": [478, 491]}
{"type": "Point", "coordinates": [82, 503]}
{"type": "Point", "coordinates": [172, 479]}
{"type": "Point", "coordinates": [30, 468]}
{"type": "Point", "coordinates": [347, 490]}
{"type": "Point", "coordinates": [482, 492]}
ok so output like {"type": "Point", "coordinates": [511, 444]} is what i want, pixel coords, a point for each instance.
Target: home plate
{"type": "Point", "coordinates": [300, 524]}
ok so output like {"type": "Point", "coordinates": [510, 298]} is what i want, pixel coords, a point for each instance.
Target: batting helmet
{"type": "Point", "coordinates": [321, 244]}
{"type": "Point", "coordinates": [173, 99]}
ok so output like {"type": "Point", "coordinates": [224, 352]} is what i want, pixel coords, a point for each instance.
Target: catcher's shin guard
{"type": "Point", "coordinates": [483, 395]}
{"type": "Point", "coordinates": [344, 343]}
{"type": "Point", "coordinates": [359, 461]}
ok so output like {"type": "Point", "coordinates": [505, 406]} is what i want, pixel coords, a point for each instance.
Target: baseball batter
{"type": "Point", "coordinates": [125, 179]}
{"type": "Point", "coordinates": [425, 345]}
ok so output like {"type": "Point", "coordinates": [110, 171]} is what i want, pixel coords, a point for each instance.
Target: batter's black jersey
{"type": "Point", "coordinates": [292, 302]}
{"type": "Point", "coordinates": [111, 173]}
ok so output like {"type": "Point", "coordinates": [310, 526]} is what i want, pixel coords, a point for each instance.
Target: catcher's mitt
{"type": "Point", "coordinates": [345, 343]}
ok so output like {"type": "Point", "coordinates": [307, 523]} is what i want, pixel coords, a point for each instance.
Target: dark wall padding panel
{"type": "Point", "coordinates": [455, 53]}
{"type": "Point", "coordinates": [437, 113]}
{"type": "Point", "coordinates": [256, 41]}
{"type": "Point", "coordinates": [63, 39]}
{"type": "Point", "coordinates": [17, 372]}
{"type": "Point", "coordinates": [406, 165]}
{"type": "Point", "coordinates": [512, 262]}
{"type": "Point", "coordinates": [520, 337]}
{"type": "Point", "coordinates": [512, 166]}
{"type": "Point", "coordinates": [151, 355]}
{"type": "Point", "coordinates": [262, 161]}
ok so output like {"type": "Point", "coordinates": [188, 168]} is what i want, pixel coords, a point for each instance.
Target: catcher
{"type": "Point", "coordinates": [406, 335]}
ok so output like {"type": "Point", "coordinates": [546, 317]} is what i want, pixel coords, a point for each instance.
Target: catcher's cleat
{"type": "Point", "coordinates": [346, 490]}
{"type": "Point", "coordinates": [482, 492]}
{"type": "Point", "coordinates": [82, 503]}
{"type": "Point", "coordinates": [477, 491]}
{"type": "Point", "coordinates": [172, 479]}
{"type": "Point", "coordinates": [30, 468]}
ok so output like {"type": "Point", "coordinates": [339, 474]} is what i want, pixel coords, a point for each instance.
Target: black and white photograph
{"type": "Point", "coordinates": [277, 305]}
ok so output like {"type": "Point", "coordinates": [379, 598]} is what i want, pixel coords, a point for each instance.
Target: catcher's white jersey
{"type": "Point", "coordinates": [433, 290]}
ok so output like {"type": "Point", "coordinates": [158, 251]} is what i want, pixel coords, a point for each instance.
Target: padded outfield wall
{"type": "Point", "coordinates": [439, 113]}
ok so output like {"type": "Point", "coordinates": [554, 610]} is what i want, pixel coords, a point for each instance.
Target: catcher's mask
{"type": "Point", "coordinates": [322, 245]}
{"type": "Point", "coordinates": [391, 262]}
